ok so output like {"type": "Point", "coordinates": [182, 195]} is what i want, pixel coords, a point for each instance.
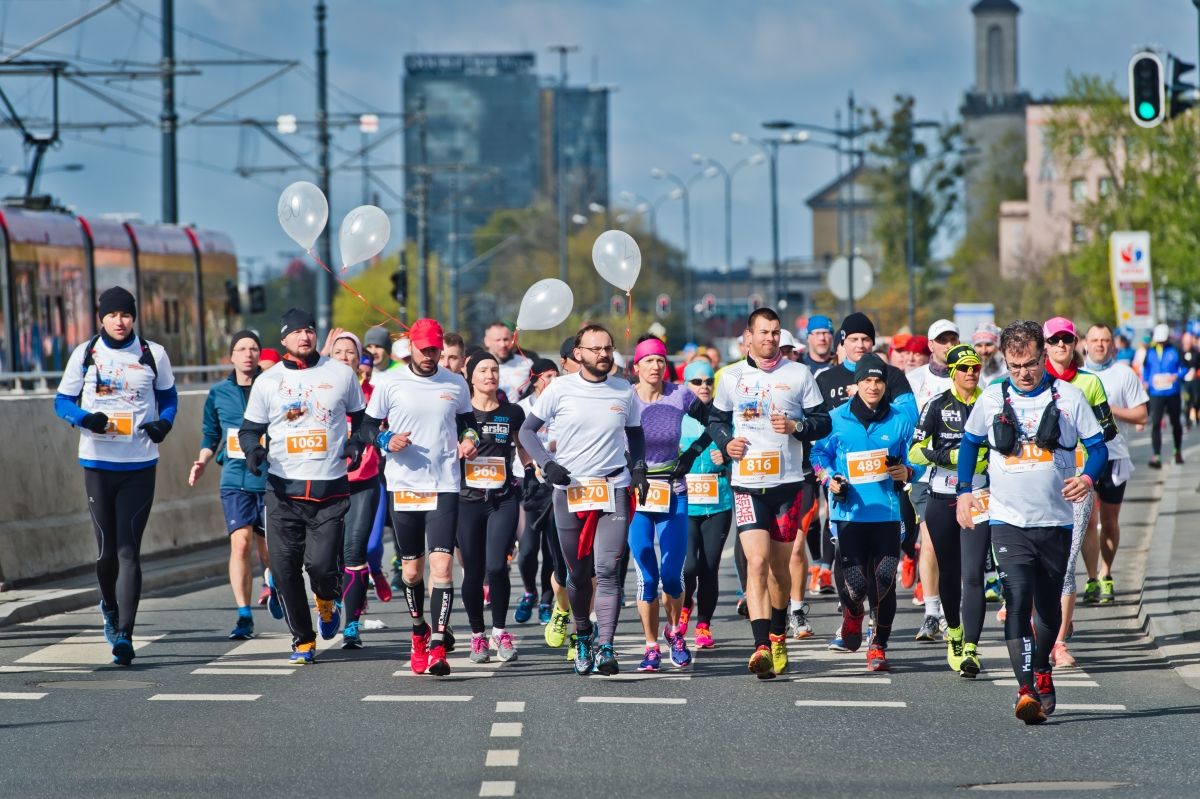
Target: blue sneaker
{"type": "Point", "coordinates": [584, 655]}
{"type": "Point", "coordinates": [837, 643]}
{"type": "Point", "coordinates": [244, 630]}
{"type": "Point", "coordinates": [652, 659]}
{"type": "Point", "coordinates": [524, 608]}
{"type": "Point", "coordinates": [329, 617]}
{"type": "Point", "coordinates": [304, 654]}
{"type": "Point", "coordinates": [273, 606]}
{"type": "Point", "coordinates": [545, 612]}
{"type": "Point", "coordinates": [122, 651]}
{"type": "Point", "coordinates": [606, 661]}
{"type": "Point", "coordinates": [350, 636]}
{"type": "Point", "coordinates": [110, 624]}
{"type": "Point", "coordinates": [680, 655]}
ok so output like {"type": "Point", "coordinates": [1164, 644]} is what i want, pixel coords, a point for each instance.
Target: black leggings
{"type": "Point", "coordinates": [912, 528]}
{"type": "Point", "coordinates": [1170, 406]}
{"type": "Point", "coordinates": [706, 540]}
{"type": "Point", "coordinates": [865, 570]}
{"type": "Point", "coordinates": [961, 556]}
{"type": "Point", "coordinates": [540, 538]}
{"type": "Point", "coordinates": [120, 506]}
{"type": "Point", "coordinates": [486, 531]}
{"type": "Point", "coordinates": [1032, 562]}
{"type": "Point", "coordinates": [360, 520]}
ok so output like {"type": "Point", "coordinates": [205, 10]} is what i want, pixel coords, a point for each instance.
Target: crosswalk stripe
{"type": "Point", "coordinates": [277, 646]}
{"type": "Point", "coordinates": [498, 788]}
{"type": "Point", "coordinates": [845, 680]}
{"type": "Point", "coordinates": [507, 729]}
{"type": "Point", "coordinates": [1057, 683]}
{"type": "Point", "coordinates": [20, 695]}
{"type": "Point", "coordinates": [462, 675]}
{"type": "Point", "coordinates": [204, 697]}
{"type": "Point", "coordinates": [641, 675]}
{"type": "Point", "coordinates": [846, 703]}
{"type": "Point", "coordinates": [631, 700]}
{"type": "Point", "coordinates": [502, 757]}
{"type": "Point", "coordinates": [244, 671]}
{"type": "Point", "coordinates": [1062, 706]}
{"type": "Point", "coordinates": [417, 698]}
{"type": "Point", "coordinates": [84, 649]}
{"type": "Point", "coordinates": [43, 670]}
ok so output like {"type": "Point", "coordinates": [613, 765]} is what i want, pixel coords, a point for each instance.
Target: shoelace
{"type": "Point", "coordinates": [505, 639]}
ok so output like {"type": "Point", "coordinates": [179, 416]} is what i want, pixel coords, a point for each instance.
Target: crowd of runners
{"type": "Point", "coordinates": [966, 467]}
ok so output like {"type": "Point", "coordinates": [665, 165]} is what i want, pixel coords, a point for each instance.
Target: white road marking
{"type": "Point", "coordinates": [83, 649]}
{"type": "Point", "coordinates": [1057, 683]}
{"type": "Point", "coordinates": [20, 695]}
{"type": "Point", "coordinates": [503, 757]}
{"type": "Point", "coordinates": [846, 680]}
{"type": "Point", "coordinates": [276, 646]}
{"type": "Point", "coordinates": [631, 700]}
{"type": "Point", "coordinates": [642, 675]}
{"type": "Point", "coordinates": [1062, 706]}
{"type": "Point", "coordinates": [240, 670]}
{"type": "Point", "coordinates": [459, 674]}
{"type": "Point", "coordinates": [498, 788]}
{"type": "Point", "coordinates": [43, 670]}
{"type": "Point", "coordinates": [204, 697]}
{"type": "Point", "coordinates": [510, 707]}
{"type": "Point", "coordinates": [846, 703]}
{"type": "Point", "coordinates": [417, 698]}
{"type": "Point", "coordinates": [507, 729]}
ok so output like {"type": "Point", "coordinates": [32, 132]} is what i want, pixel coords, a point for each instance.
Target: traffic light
{"type": "Point", "coordinates": [1182, 94]}
{"type": "Point", "coordinates": [708, 305]}
{"type": "Point", "coordinates": [1147, 94]}
{"type": "Point", "coordinates": [662, 306]}
{"type": "Point", "coordinates": [400, 285]}
{"type": "Point", "coordinates": [258, 299]}
{"type": "Point", "coordinates": [233, 298]}
{"type": "Point", "coordinates": [617, 305]}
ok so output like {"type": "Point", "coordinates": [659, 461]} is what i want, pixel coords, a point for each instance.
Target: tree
{"type": "Point", "coordinates": [374, 283]}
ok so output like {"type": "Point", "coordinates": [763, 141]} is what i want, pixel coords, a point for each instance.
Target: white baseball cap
{"type": "Point", "coordinates": [1161, 334]}
{"type": "Point", "coordinates": [402, 349]}
{"type": "Point", "coordinates": [942, 326]}
{"type": "Point", "coordinates": [786, 339]}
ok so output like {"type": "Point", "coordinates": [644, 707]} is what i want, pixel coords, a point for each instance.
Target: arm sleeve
{"type": "Point", "coordinates": [356, 420]}
{"type": "Point", "coordinates": [168, 402]}
{"type": "Point", "coordinates": [720, 427]}
{"type": "Point", "coordinates": [699, 411]}
{"type": "Point", "coordinates": [250, 433]}
{"type": "Point", "coordinates": [67, 408]}
{"type": "Point", "coordinates": [368, 431]}
{"type": "Point", "coordinates": [637, 445]}
{"type": "Point", "coordinates": [211, 433]}
{"type": "Point", "coordinates": [816, 423]}
{"type": "Point", "coordinates": [968, 453]}
{"type": "Point", "coordinates": [1097, 456]}
{"type": "Point", "coordinates": [530, 441]}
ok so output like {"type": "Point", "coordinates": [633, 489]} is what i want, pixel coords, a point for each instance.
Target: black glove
{"type": "Point", "coordinates": [556, 474]}
{"type": "Point", "coordinates": [942, 455]}
{"type": "Point", "coordinates": [639, 480]}
{"type": "Point", "coordinates": [529, 481]}
{"type": "Point", "coordinates": [255, 459]}
{"type": "Point", "coordinates": [838, 487]}
{"type": "Point", "coordinates": [96, 421]}
{"type": "Point", "coordinates": [354, 451]}
{"type": "Point", "coordinates": [156, 430]}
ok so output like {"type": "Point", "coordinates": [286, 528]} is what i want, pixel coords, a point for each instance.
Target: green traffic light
{"type": "Point", "coordinates": [1146, 110]}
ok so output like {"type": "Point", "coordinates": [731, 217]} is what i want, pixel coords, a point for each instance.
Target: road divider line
{"type": "Point", "coordinates": [502, 757]}
{"type": "Point", "coordinates": [846, 680]}
{"type": "Point", "coordinates": [635, 676]}
{"type": "Point", "coordinates": [498, 788]}
{"type": "Point", "coordinates": [1101, 708]}
{"type": "Point", "coordinates": [462, 675]}
{"type": "Point", "coordinates": [1057, 683]}
{"type": "Point", "coordinates": [43, 670]}
{"type": "Point", "coordinates": [417, 698]}
{"type": "Point", "coordinates": [507, 729]}
{"type": "Point", "coordinates": [631, 700]}
{"type": "Point", "coordinates": [204, 697]}
{"type": "Point", "coordinates": [20, 695]}
{"type": "Point", "coordinates": [239, 670]}
{"type": "Point", "coordinates": [847, 703]}
{"type": "Point", "coordinates": [510, 707]}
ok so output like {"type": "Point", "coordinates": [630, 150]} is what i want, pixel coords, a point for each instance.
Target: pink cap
{"type": "Point", "coordinates": [651, 346]}
{"type": "Point", "coordinates": [1058, 324]}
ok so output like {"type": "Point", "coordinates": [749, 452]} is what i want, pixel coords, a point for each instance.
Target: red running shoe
{"type": "Point", "coordinates": [825, 581]}
{"type": "Point", "coordinates": [1045, 689]}
{"type": "Point", "coordinates": [382, 589]}
{"type": "Point", "coordinates": [438, 665]}
{"type": "Point", "coordinates": [908, 571]}
{"type": "Point", "coordinates": [814, 580]}
{"type": "Point", "coordinates": [1029, 708]}
{"type": "Point", "coordinates": [420, 652]}
{"type": "Point", "coordinates": [877, 659]}
{"type": "Point", "coordinates": [851, 630]}
{"type": "Point", "coordinates": [265, 595]}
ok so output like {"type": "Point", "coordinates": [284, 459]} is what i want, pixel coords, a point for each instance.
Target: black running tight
{"type": "Point", "coordinates": [486, 531]}
{"type": "Point", "coordinates": [865, 571]}
{"type": "Point", "coordinates": [961, 556]}
{"type": "Point", "coordinates": [706, 540]}
{"type": "Point", "coordinates": [120, 506]}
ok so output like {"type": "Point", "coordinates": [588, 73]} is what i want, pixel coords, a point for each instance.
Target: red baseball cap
{"type": "Point", "coordinates": [917, 344]}
{"type": "Point", "coordinates": [268, 355]}
{"type": "Point", "coordinates": [425, 333]}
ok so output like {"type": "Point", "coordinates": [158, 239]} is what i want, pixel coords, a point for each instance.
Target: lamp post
{"type": "Point", "coordinates": [683, 191]}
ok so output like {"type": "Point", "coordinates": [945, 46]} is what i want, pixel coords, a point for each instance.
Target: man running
{"type": "Point", "coordinates": [591, 415]}
{"type": "Point", "coordinates": [820, 355]}
{"type": "Point", "coordinates": [765, 407]}
{"type": "Point", "coordinates": [985, 340]}
{"type": "Point", "coordinates": [309, 407]}
{"type": "Point", "coordinates": [1163, 374]}
{"type": "Point", "coordinates": [454, 354]}
{"type": "Point", "coordinates": [378, 344]}
{"type": "Point", "coordinates": [514, 368]}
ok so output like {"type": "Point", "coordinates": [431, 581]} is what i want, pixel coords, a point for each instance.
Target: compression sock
{"type": "Point", "coordinates": [439, 608]}
{"type": "Point", "coordinates": [354, 591]}
{"type": "Point", "coordinates": [245, 612]}
{"type": "Point", "coordinates": [414, 595]}
{"type": "Point", "coordinates": [778, 621]}
{"type": "Point", "coordinates": [761, 629]}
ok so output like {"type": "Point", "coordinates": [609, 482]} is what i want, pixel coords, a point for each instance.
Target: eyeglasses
{"type": "Point", "coordinates": [1061, 339]}
{"type": "Point", "coordinates": [600, 350]}
{"type": "Point", "coordinates": [1029, 366]}
{"type": "Point", "coordinates": [701, 381]}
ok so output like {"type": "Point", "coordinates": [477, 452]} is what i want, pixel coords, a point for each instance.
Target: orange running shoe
{"type": "Point", "coordinates": [908, 571]}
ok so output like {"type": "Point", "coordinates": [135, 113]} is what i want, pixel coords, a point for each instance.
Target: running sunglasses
{"type": "Point", "coordinates": [701, 381]}
{"type": "Point", "coordinates": [1061, 339]}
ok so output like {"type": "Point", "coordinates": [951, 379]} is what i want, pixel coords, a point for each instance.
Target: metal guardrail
{"type": "Point", "coordinates": [22, 383]}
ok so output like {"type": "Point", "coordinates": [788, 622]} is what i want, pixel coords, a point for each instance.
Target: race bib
{"type": "Point", "coordinates": [592, 493]}
{"type": "Point", "coordinates": [414, 500]}
{"type": "Point", "coordinates": [1080, 458]}
{"type": "Point", "coordinates": [759, 465]}
{"type": "Point", "coordinates": [1031, 458]}
{"type": "Point", "coordinates": [1163, 382]}
{"type": "Point", "coordinates": [120, 427]}
{"type": "Point", "coordinates": [867, 466]}
{"type": "Point", "coordinates": [486, 473]}
{"type": "Point", "coordinates": [307, 444]}
{"type": "Point", "coordinates": [703, 489]}
{"type": "Point", "coordinates": [983, 512]}
{"type": "Point", "coordinates": [233, 448]}
{"type": "Point", "coordinates": [658, 499]}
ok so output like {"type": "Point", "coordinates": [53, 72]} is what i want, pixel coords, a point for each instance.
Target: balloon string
{"type": "Point", "coordinates": [628, 321]}
{"type": "Point", "coordinates": [516, 342]}
{"type": "Point", "coordinates": [355, 292]}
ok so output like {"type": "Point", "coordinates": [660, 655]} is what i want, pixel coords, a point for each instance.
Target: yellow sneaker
{"type": "Point", "coordinates": [556, 629]}
{"type": "Point", "coordinates": [779, 656]}
{"type": "Point", "coordinates": [760, 663]}
{"type": "Point", "coordinates": [954, 647]}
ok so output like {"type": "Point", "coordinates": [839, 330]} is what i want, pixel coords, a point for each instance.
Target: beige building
{"type": "Point", "coordinates": [830, 206]}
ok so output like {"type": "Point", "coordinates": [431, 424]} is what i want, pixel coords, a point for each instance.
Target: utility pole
{"type": "Point", "coordinates": [169, 119]}
{"type": "Point", "coordinates": [777, 267]}
{"type": "Point", "coordinates": [325, 242]}
{"type": "Point", "coordinates": [453, 311]}
{"type": "Point", "coordinates": [852, 126]}
{"type": "Point", "coordinates": [559, 182]}
{"type": "Point", "coordinates": [422, 213]}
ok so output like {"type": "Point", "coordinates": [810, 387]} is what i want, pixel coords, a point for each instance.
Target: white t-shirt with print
{"type": "Point", "coordinates": [926, 385]}
{"type": "Point", "coordinates": [588, 422]}
{"type": "Point", "coordinates": [305, 413]}
{"type": "Point", "coordinates": [751, 395]}
{"type": "Point", "coordinates": [426, 408]}
{"type": "Point", "coordinates": [119, 385]}
{"type": "Point", "coordinates": [1026, 490]}
{"type": "Point", "coordinates": [1124, 390]}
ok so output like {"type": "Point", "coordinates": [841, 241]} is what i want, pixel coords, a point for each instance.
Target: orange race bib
{"type": "Point", "coordinates": [307, 444]}
{"type": "Point", "coordinates": [1162, 382]}
{"type": "Point", "coordinates": [984, 512]}
{"type": "Point", "coordinates": [486, 473]}
{"type": "Point", "coordinates": [592, 493]}
{"type": "Point", "coordinates": [867, 466]}
{"type": "Point", "coordinates": [703, 489]}
{"type": "Point", "coordinates": [658, 500]}
{"type": "Point", "coordinates": [760, 465]}
{"type": "Point", "coordinates": [1031, 458]}
{"type": "Point", "coordinates": [414, 500]}
{"type": "Point", "coordinates": [120, 427]}
{"type": "Point", "coordinates": [233, 447]}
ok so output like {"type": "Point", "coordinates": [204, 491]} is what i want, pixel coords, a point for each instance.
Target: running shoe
{"type": "Point", "coordinates": [397, 582]}
{"type": "Point", "coordinates": [448, 639]}
{"type": "Point", "coordinates": [1178, 458]}
{"type": "Point", "coordinates": [918, 597]}
{"type": "Point", "coordinates": [1060, 657]}
{"type": "Point", "coordinates": [908, 571]}
{"type": "Point", "coordinates": [556, 630]}
{"type": "Point", "coordinates": [877, 659]}
{"type": "Point", "coordinates": [329, 613]}
{"type": "Point", "coordinates": [760, 663]}
{"type": "Point", "coordinates": [825, 579]}
{"type": "Point", "coordinates": [585, 659]}
{"type": "Point", "coordinates": [837, 643]}
{"type": "Point", "coordinates": [668, 634]}
{"type": "Point", "coordinates": [1028, 708]}
{"type": "Point", "coordinates": [606, 661]}
{"type": "Point", "coordinates": [504, 645]}
{"type": "Point", "coordinates": [704, 637]}
{"type": "Point", "coordinates": [955, 648]}
{"type": "Point", "coordinates": [273, 605]}
{"type": "Point", "coordinates": [110, 624]}
{"type": "Point", "coordinates": [1045, 689]}
{"type": "Point", "coordinates": [479, 649]}
{"type": "Point", "coordinates": [351, 637]}
{"type": "Point", "coordinates": [304, 654]}
{"type": "Point", "coordinates": [544, 612]}
{"type": "Point", "coordinates": [122, 650]}
{"type": "Point", "coordinates": [243, 630]}
{"type": "Point", "coordinates": [1091, 592]}
{"type": "Point", "coordinates": [524, 609]}
{"type": "Point", "coordinates": [681, 657]}
{"type": "Point", "coordinates": [851, 631]}
{"type": "Point", "coordinates": [438, 665]}
{"type": "Point", "coordinates": [265, 594]}
{"type": "Point", "coordinates": [419, 661]}
{"type": "Point", "coordinates": [382, 589]}
{"type": "Point", "coordinates": [1107, 590]}
{"type": "Point", "coordinates": [1002, 614]}
{"type": "Point", "coordinates": [797, 623]}
{"type": "Point", "coordinates": [651, 660]}
{"type": "Point", "coordinates": [685, 615]}
{"type": "Point", "coordinates": [930, 629]}
{"type": "Point", "coordinates": [991, 588]}
{"type": "Point", "coordinates": [970, 666]}
{"type": "Point", "coordinates": [743, 609]}
{"type": "Point", "coordinates": [814, 579]}
{"type": "Point", "coordinates": [779, 653]}
{"type": "Point", "coordinates": [1155, 462]}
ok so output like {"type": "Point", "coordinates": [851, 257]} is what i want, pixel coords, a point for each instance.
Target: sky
{"type": "Point", "coordinates": [688, 73]}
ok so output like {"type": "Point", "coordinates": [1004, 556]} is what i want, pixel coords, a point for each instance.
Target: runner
{"type": "Point", "coordinates": [1031, 423]}
{"type": "Point", "coordinates": [863, 464]}
{"type": "Point", "coordinates": [454, 353]}
{"type": "Point", "coordinates": [961, 553]}
{"type": "Point", "coordinates": [514, 367]}
{"type": "Point", "coordinates": [241, 492]}
{"type": "Point", "coordinates": [431, 424]}
{"type": "Point", "coordinates": [118, 389]}
{"type": "Point", "coordinates": [1163, 373]}
{"type": "Point", "coordinates": [710, 510]}
{"type": "Point", "coordinates": [302, 407]}
{"type": "Point", "coordinates": [1191, 386]}
{"type": "Point", "coordinates": [819, 355]}
{"type": "Point", "coordinates": [764, 408]}
{"type": "Point", "coordinates": [489, 504]}
{"type": "Point", "coordinates": [985, 340]}
{"type": "Point", "coordinates": [378, 344]}
{"type": "Point", "coordinates": [591, 416]}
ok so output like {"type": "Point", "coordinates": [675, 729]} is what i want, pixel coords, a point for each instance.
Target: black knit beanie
{"type": "Point", "coordinates": [114, 300]}
{"type": "Point", "coordinates": [857, 323]}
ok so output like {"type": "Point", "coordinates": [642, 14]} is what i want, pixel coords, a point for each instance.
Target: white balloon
{"type": "Point", "coordinates": [303, 212]}
{"type": "Point", "coordinates": [546, 304]}
{"type": "Point", "coordinates": [617, 258]}
{"type": "Point", "coordinates": [365, 232]}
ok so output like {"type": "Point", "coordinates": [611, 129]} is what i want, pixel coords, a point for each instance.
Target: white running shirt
{"type": "Point", "coordinates": [1125, 390]}
{"type": "Point", "coordinates": [589, 421]}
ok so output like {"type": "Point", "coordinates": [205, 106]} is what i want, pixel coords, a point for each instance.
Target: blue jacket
{"type": "Point", "coordinates": [691, 431]}
{"type": "Point", "coordinates": [1163, 360]}
{"type": "Point", "coordinates": [869, 501]}
{"type": "Point", "coordinates": [223, 410]}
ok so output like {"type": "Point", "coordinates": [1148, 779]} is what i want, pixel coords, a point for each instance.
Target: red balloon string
{"type": "Point", "coordinates": [628, 320]}
{"type": "Point", "coordinates": [516, 340]}
{"type": "Point", "coordinates": [354, 291]}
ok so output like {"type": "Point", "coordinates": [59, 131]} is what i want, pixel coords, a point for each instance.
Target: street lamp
{"type": "Point", "coordinates": [683, 192]}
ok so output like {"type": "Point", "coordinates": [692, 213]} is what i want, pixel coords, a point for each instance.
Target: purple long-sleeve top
{"type": "Point", "coordinates": [662, 423]}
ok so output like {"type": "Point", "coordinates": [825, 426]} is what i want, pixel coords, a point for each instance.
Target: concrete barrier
{"type": "Point", "coordinates": [45, 527]}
